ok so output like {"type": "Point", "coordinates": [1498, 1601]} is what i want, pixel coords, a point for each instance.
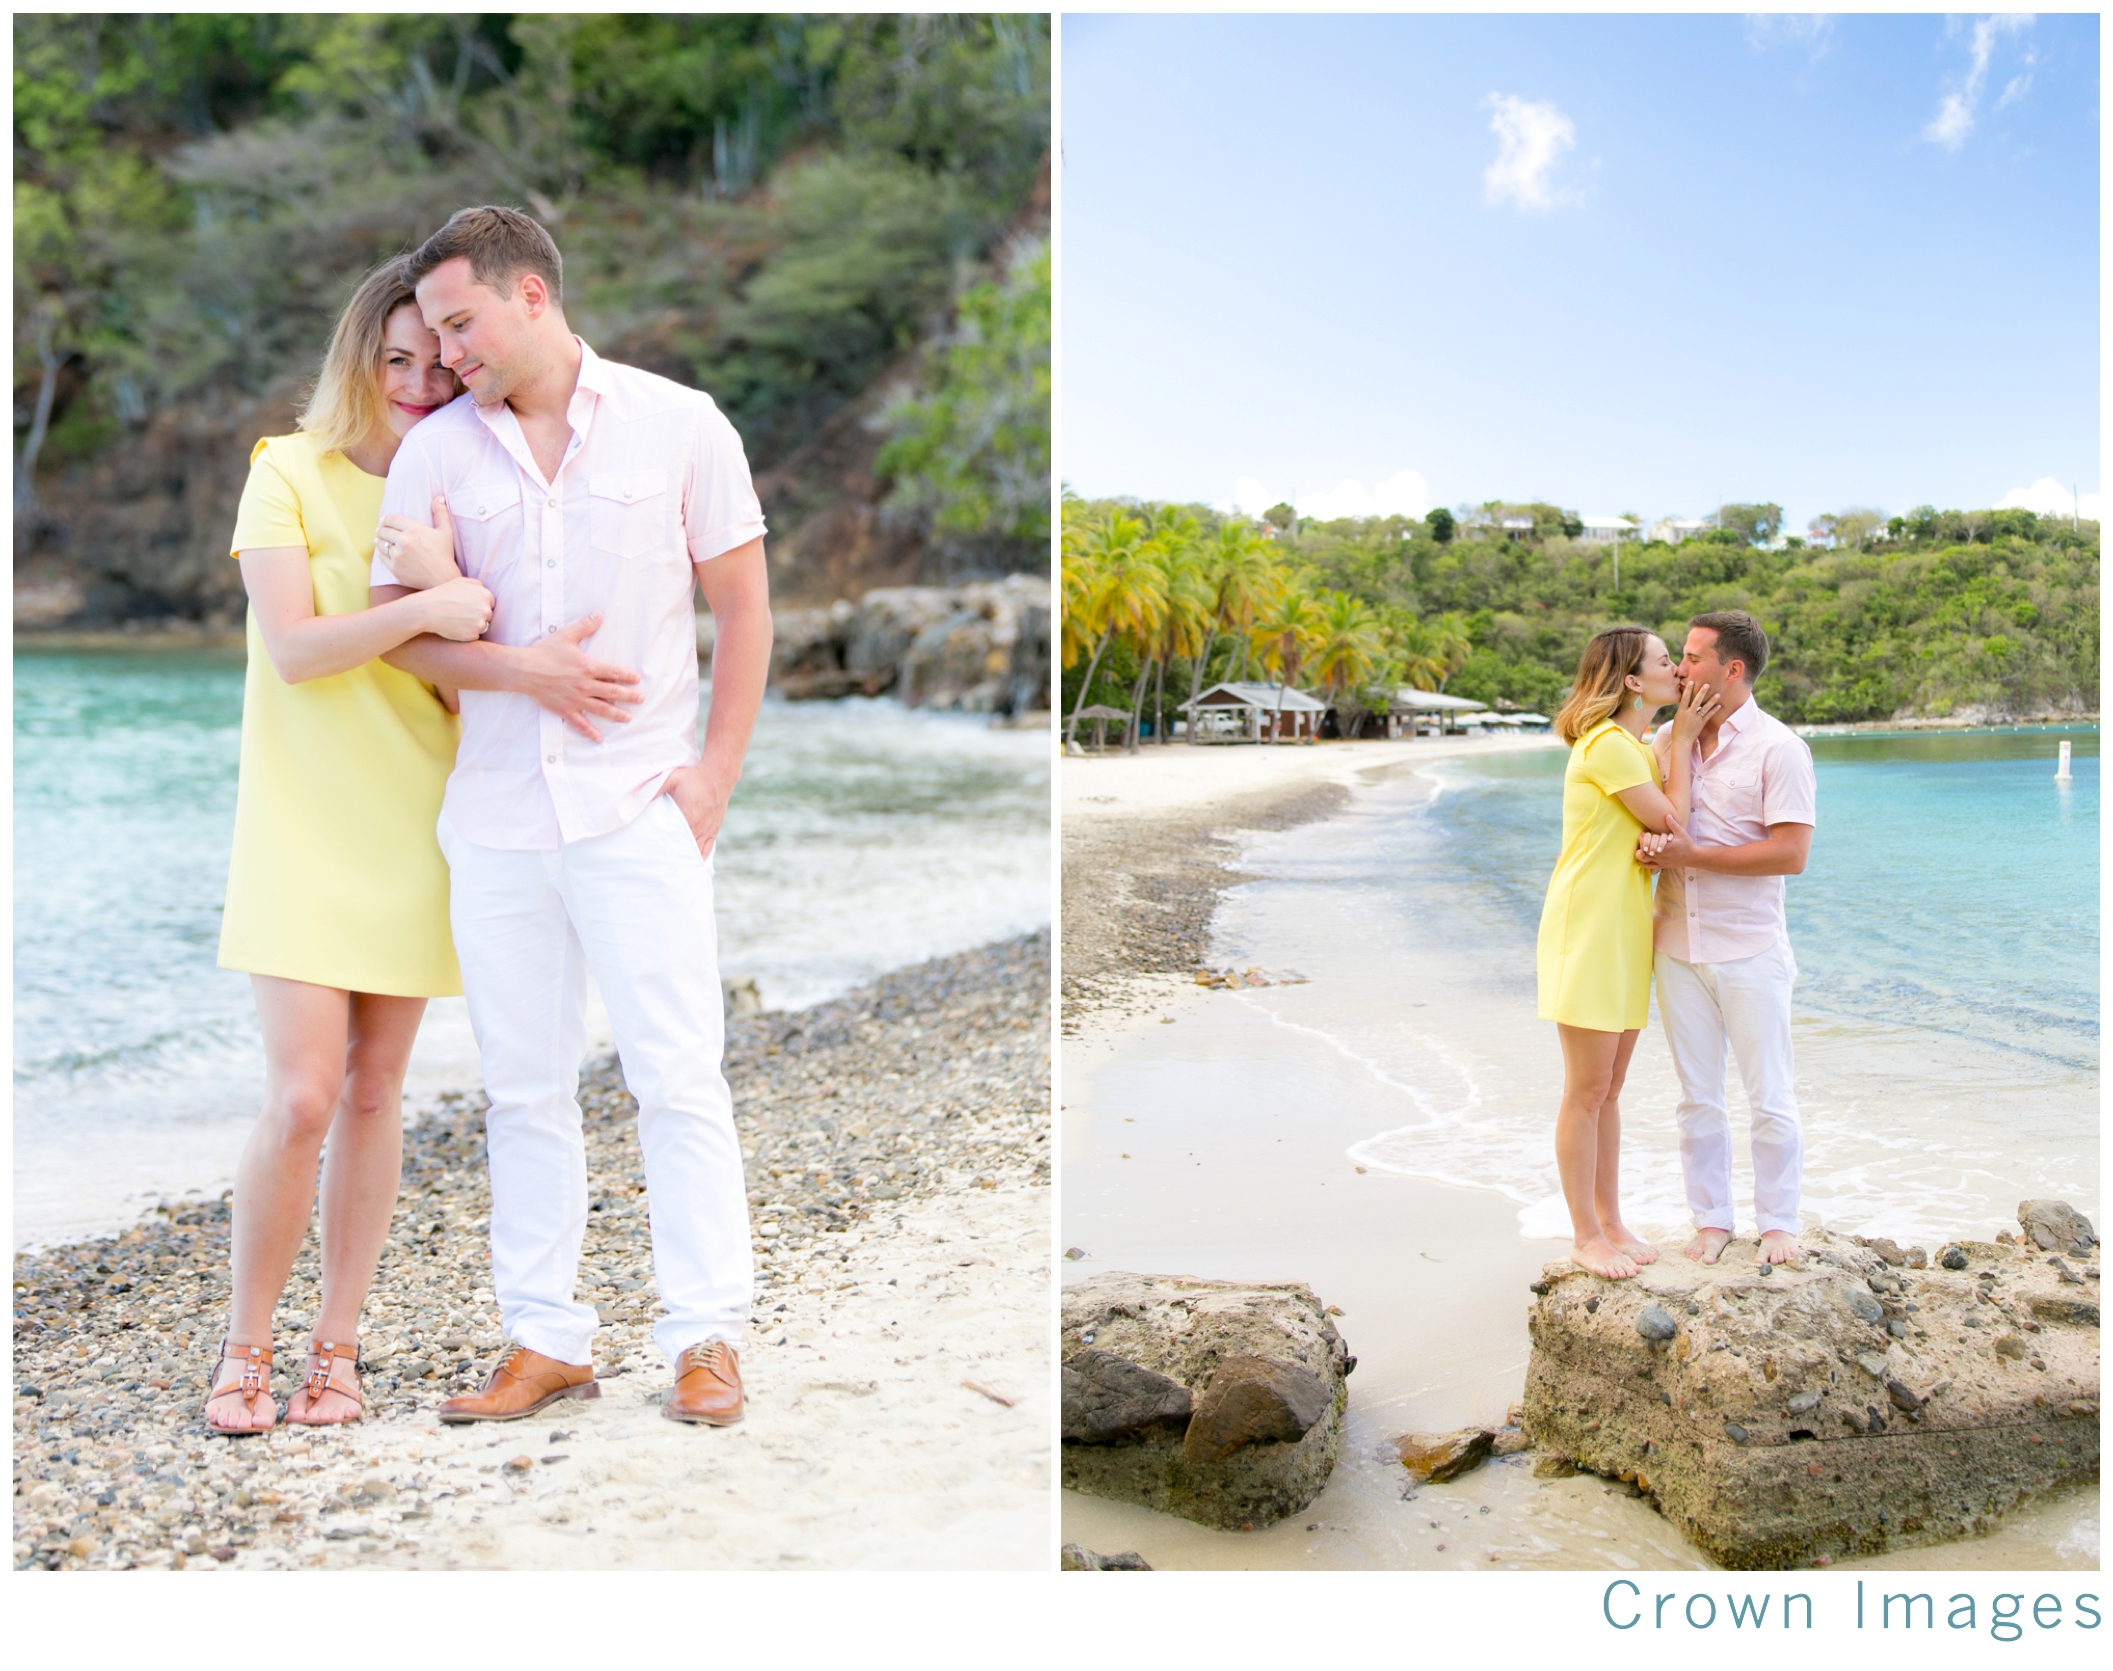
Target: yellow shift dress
{"type": "Point", "coordinates": [337, 877]}
{"type": "Point", "coordinates": [1595, 946]}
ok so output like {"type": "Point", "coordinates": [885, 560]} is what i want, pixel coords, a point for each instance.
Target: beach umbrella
{"type": "Point", "coordinates": [1100, 713]}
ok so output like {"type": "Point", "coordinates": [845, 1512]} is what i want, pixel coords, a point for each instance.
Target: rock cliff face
{"type": "Point", "coordinates": [979, 648]}
{"type": "Point", "coordinates": [1219, 1401]}
{"type": "Point", "coordinates": [1871, 1400]}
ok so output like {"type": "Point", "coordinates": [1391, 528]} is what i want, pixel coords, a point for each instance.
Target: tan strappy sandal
{"type": "Point", "coordinates": [324, 1356]}
{"type": "Point", "coordinates": [255, 1383]}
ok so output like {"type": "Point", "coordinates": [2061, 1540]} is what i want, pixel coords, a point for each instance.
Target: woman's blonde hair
{"type": "Point", "coordinates": [1608, 660]}
{"type": "Point", "coordinates": [346, 406]}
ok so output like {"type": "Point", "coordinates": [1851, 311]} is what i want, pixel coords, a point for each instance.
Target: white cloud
{"type": "Point", "coordinates": [2015, 89]}
{"type": "Point", "coordinates": [1960, 111]}
{"type": "Point", "coordinates": [2050, 498]}
{"type": "Point", "coordinates": [1531, 139]}
{"type": "Point", "coordinates": [1405, 493]}
{"type": "Point", "coordinates": [1814, 31]}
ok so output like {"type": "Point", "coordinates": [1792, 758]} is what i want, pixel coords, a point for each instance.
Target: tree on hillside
{"type": "Point", "coordinates": [1440, 523]}
{"type": "Point", "coordinates": [1755, 524]}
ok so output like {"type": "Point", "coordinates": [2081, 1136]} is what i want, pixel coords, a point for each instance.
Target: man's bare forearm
{"type": "Point", "coordinates": [740, 670]}
{"type": "Point", "coordinates": [1776, 856]}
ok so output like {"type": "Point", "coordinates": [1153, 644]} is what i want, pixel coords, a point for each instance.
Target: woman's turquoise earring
{"type": "Point", "coordinates": [1639, 699]}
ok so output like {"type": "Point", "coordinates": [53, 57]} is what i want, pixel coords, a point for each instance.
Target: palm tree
{"type": "Point", "coordinates": [1284, 636]}
{"type": "Point", "coordinates": [1413, 648]}
{"type": "Point", "coordinates": [1112, 588]}
{"type": "Point", "coordinates": [1184, 618]}
{"type": "Point", "coordinates": [1251, 578]}
{"type": "Point", "coordinates": [1450, 644]}
{"type": "Point", "coordinates": [1242, 572]}
{"type": "Point", "coordinates": [1347, 645]}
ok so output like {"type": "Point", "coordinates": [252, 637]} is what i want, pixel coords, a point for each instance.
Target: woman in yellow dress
{"type": "Point", "coordinates": [1595, 943]}
{"type": "Point", "coordinates": [337, 896]}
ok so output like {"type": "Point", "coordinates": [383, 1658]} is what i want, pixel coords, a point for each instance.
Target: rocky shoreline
{"type": "Point", "coordinates": [981, 647]}
{"type": "Point", "coordinates": [1139, 895]}
{"type": "Point", "coordinates": [857, 1117]}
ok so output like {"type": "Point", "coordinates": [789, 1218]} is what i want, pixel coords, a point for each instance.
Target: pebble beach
{"type": "Point", "coordinates": [897, 1361]}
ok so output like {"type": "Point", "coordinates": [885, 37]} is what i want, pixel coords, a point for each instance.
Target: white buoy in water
{"type": "Point", "coordinates": [2062, 770]}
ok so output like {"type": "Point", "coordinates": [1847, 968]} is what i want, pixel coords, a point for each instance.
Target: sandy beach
{"type": "Point", "coordinates": [1202, 1136]}
{"type": "Point", "coordinates": [897, 1362]}
{"type": "Point", "coordinates": [1147, 838]}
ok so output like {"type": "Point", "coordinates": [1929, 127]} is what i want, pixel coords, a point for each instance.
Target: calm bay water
{"type": "Point", "coordinates": [864, 837]}
{"type": "Point", "coordinates": [1946, 931]}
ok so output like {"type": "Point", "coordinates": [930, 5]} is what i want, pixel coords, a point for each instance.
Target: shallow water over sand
{"type": "Point", "coordinates": [1946, 1021]}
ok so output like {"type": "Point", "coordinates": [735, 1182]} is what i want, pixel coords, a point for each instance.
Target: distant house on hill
{"type": "Point", "coordinates": [1413, 712]}
{"type": "Point", "coordinates": [1604, 530]}
{"type": "Point", "coordinates": [1674, 529]}
{"type": "Point", "coordinates": [1516, 524]}
{"type": "Point", "coordinates": [1248, 712]}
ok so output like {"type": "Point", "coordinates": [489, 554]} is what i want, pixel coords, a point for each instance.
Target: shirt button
{"type": "Point", "coordinates": [480, 510]}
{"type": "Point", "coordinates": [550, 563]}
{"type": "Point", "coordinates": [553, 502]}
{"type": "Point", "coordinates": [627, 493]}
{"type": "Point", "coordinates": [550, 759]}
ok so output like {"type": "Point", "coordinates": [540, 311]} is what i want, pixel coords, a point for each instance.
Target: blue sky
{"type": "Point", "coordinates": [1642, 264]}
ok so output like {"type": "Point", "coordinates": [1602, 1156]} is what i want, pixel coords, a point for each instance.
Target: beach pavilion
{"type": "Point", "coordinates": [1100, 713]}
{"type": "Point", "coordinates": [1248, 712]}
{"type": "Point", "coordinates": [1412, 710]}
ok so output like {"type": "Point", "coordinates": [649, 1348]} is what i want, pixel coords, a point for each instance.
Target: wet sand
{"type": "Point", "coordinates": [1200, 1138]}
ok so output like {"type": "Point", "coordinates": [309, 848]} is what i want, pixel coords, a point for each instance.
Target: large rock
{"type": "Point", "coordinates": [1843, 1408]}
{"type": "Point", "coordinates": [1219, 1401]}
{"type": "Point", "coordinates": [979, 648]}
{"type": "Point", "coordinates": [2056, 1227]}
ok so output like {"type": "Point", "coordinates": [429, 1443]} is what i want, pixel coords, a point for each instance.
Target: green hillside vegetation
{"type": "Point", "coordinates": [1933, 614]}
{"type": "Point", "coordinates": [777, 209]}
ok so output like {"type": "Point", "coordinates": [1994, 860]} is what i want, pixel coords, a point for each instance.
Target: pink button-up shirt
{"type": "Point", "coordinates": [653, 480]}
{"type": "Point", "coordinates": [1760, 775]}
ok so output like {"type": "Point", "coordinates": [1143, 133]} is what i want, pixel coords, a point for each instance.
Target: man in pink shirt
{"type": "Point", "coordinates": [579, 821]}
{"type": "Point", "coordinates": [1722, 947]}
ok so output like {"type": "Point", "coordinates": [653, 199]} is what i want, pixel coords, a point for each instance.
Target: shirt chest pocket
{"type": "Point", "coordinates": [1735, 789]}
{"type": "Point", "coordinates": [631, 513]}
{"type": "Point", "coordinates": [486, 513]}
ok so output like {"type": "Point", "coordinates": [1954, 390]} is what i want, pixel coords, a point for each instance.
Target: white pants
{"type": "Point", "coordinates": [635, 907]}
{"type": "Point", "coordinates": [1744, 1003]}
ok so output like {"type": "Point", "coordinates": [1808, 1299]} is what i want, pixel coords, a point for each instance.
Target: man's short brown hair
{"type": "Point", "coordinates": [499, 244]}
{"type": "Point", "coordinates": [1739, 638]}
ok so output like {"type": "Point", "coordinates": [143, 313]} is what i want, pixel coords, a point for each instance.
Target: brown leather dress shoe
{"type": "Point", "coordinates": [522, 1384]}
{"type": "Point", "coordinates": [707, 1386]}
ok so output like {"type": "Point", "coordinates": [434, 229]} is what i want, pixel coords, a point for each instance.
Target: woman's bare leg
{"type": "Point", "coordinates": [1588, 1072]}
{"type": "Point", "coordinates": [305, 1029]}
{"type": "Point", "coordinates": [362, 1167]}
{"type": "Point", "coordinates": [1606, 1182]}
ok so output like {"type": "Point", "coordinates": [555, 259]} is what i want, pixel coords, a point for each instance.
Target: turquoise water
{"type": "Point", "coordinates": [1946, 1010]}
{"type": "Point", "coordinates": [1953, 883]}
{"type": "Point", "coordinates": [863, 837]}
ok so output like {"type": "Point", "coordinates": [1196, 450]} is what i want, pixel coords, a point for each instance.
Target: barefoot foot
{"type": "Point", "coordinates": [1622, 1237]}
{"type": "Point", "coordinates": [1778, 1247]}
{"type": "Point", "coordinates": [1708, 1243]}
{"type": "Point", "coordinates": [1602, 1258]}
